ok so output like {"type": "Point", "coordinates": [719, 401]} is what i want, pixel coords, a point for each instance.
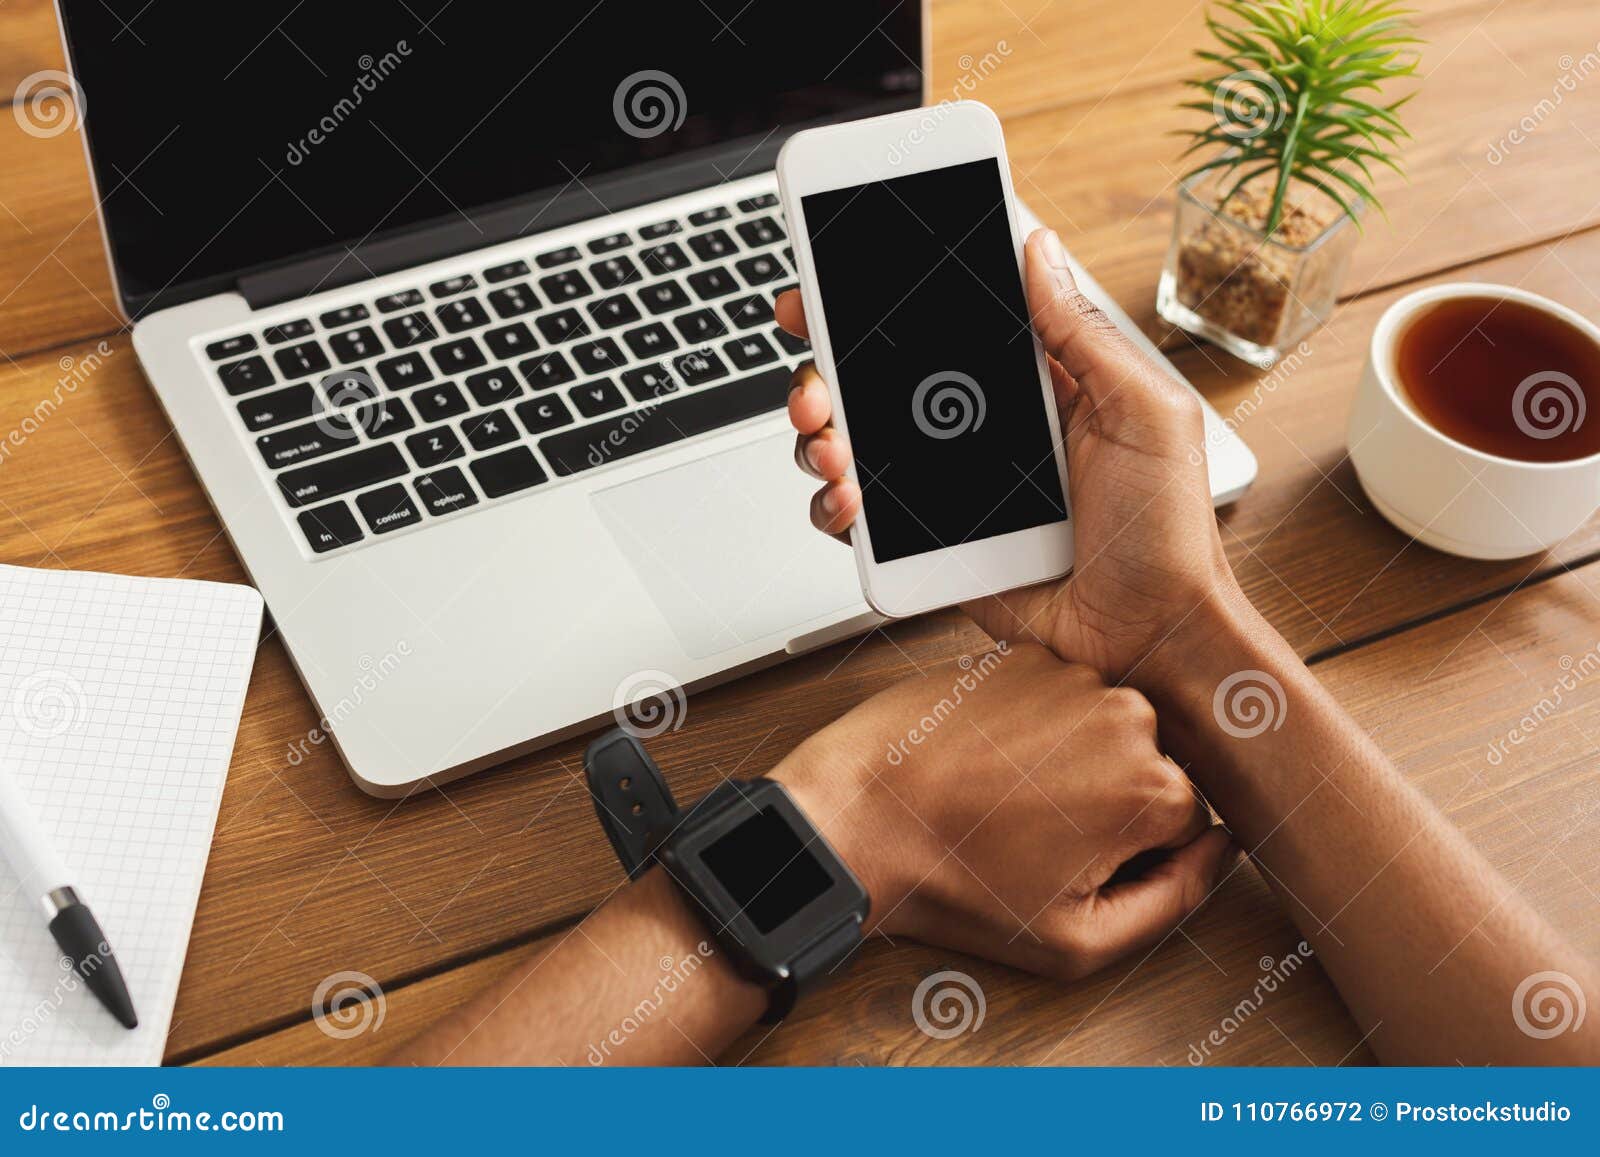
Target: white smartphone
{"type": "Point", "coordinates": [907, 241]}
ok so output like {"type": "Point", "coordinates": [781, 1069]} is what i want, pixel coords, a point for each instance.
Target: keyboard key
{"type": "Point", "coordinates": [330, 527]}
{"type": "Point", "coordinates": [698, 367]}
{"type": "Point", "coordinates": [248, 374]}
{"type": "Point", "coordinates": [598, 357]}
{"type": "Point", "coordinates": [761, 231]}
{"type": "Point", "coordinates": [332, 477]}
{"type": "Point", "coordinates": [412, 329]}
{"type": "Point", "coordinates": [650, 341]}
{"type": "Point", "coordinates": [287, 331]}
{"type": "Point", "coordinates": [445, 491]}
{"type": "Point", "coordinates": [543, 371]}
{"type": "Point", "coordinates": [667, 258]}
{"type": "Point", "coordinates": [610, 242]}
{"type": "Point", "coordinates": [303, 443]}
{"type": "Point", "coordinates": [385, 418]}
{"type": "Point", "coordinates": [699, 412]}
{"type": "Point", "coordinates": [707, 216]}
{"type": "Point", "coordinates": [510, 341]}
{"type": "Point", "coordinates": [347, 387]}
{"type": "Point", "coordinates": [562, 325]}
{"type": "Point", "coordinates": [436, 403]}
{"type": "Point", "coordinates": [405, 299]}
{"type": "Point", "coordinates": [542, 414]}
{"type": "Point", "coordinates": [297, 361]}
{"type": "Point", "coordinates": [558, 257]}
{"type": "Point", "coordinates": [791, 344]}
{"type": "Point", "coordinates": [610, 312]}
{"type": "Point", "coordinates": [492, 387]}
{"type": "Point", "coordinates": [506, 272]}
{"type": "Point", "coordinates": [567, 285]}
{"type": "Point", "coordinates": [614, 271]}
{"type": "Point", "coordinates": [508, 471]}
{"type": "Point", "coordinates": [462, 314]}
{"type": "Point", "coordinates": [388, 508]}
{"type": "Point", "coordinates": [647, 383]}
{"type": "Point", "coordinates": [230, 346]}
{"type": "Point", "coordinates": [513, 300]}
{"type": "Point", "coordinates": [404, 371]}
{"type": "Point", "coordinates": [710, 283]}
{"type": "Point", "coordinates": [759, 201]}
{"type": "Point", "coordinates": [354, 345]}
{"type": "Point", "coordinates": [745, 312]}
{"type": "Point", "coordinates": [280, 406]}
{"type": "Point", "coordinates": [750, 351]}
{"type": "Point", "coordinates": [459, 356]}
{"type": "Point", "coordinates": [453, 285]}
{"type": "Point", "coordinates": [348, 315]}
{"type": "Point", "coordinates": [660, 229]}
{"type": "Point", "coordinates": [486, 431]}
{"type": "Point", "coordinates": [431, 447]}
{"type": "Point", "coordinates": [596, 398]}
{"type": "Point", "coordinates": [700, 327]}
{"type": "Point", "coordinates": [664, 297]}
{"type": "Point", "coordinates": [713, 245]}
{"type": "Point", "coordinates": [760, 269]}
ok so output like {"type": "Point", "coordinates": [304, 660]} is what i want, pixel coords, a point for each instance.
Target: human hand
{"type": "Point", "coordinates": [986, 808]}
{"type": "Point", "coordinates": [1147, 551]}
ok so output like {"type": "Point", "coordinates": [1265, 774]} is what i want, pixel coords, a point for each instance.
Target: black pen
{"type": "Point", "coordinates": [76, 931]}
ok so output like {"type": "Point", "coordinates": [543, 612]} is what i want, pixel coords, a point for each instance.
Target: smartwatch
{"type": "Point", "coordinates": [776, 896]}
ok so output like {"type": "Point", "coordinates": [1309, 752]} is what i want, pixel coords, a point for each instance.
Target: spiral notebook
{"type": "Point", "coordinates": [119, 703]}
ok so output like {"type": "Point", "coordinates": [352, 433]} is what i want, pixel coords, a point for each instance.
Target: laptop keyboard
{"type": "Point", "coordinates": [431, 401]}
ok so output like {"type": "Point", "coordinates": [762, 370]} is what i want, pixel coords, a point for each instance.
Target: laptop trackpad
{"type": "Point", "coordinates": [726, 548]}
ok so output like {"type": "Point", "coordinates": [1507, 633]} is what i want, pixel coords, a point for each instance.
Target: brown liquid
{"type": "Point", "coordinates": [1503, 377]}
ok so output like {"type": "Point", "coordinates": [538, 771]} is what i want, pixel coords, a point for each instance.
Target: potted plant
{"type": "Point", "coordinates": [1267, 221]}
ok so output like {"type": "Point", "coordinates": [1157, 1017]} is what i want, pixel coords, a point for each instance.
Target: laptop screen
{"type": "Point", "coordinates": [229, 138]}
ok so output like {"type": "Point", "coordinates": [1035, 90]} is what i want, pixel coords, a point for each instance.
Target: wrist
{"type": "Point", "coordinates": [1222, 633]}
{"type": "Point", "coordinates": [841, 797]}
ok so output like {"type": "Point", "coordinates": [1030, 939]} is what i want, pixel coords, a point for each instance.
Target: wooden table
{"type": "Point", "coordinates": [1437, 656]}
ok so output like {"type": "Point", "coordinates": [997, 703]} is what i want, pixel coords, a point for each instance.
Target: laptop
{"type": "Point", "coordinates": [463, 315]}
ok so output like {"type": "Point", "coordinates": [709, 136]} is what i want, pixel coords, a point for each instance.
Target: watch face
{"type": "Point", "coordinates": [763, 865]}
{"type": "Point", "coordinates": [766, 877]}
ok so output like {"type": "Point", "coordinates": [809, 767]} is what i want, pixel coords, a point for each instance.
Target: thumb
{"type": "Point", "coordinates": [1074, 330]}
{"type": "Point", "coordinates": [1138, 914]}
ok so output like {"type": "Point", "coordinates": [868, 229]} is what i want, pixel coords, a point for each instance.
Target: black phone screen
{"type": "Point", "coordinates": [935, 358]}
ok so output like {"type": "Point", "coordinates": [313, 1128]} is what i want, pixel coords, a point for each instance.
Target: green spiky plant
{"type": "Point", "coordinates": [1299, 89]}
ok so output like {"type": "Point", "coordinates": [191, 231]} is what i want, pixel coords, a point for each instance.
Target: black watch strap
{"type": "Point", "coordinates": [812, 968]}
{"type": "Point", "coordinates": [631, 798]}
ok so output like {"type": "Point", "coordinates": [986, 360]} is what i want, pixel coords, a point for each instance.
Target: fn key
{"type": "Point", "coordinates": [330, 527]}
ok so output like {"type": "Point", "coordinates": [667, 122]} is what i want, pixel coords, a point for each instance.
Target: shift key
{"type": "Point", "coordinates": [335, 476]}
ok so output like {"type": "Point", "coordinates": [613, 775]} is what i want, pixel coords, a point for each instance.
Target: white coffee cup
{"type": "Point", "coordinates": [1442, 492]}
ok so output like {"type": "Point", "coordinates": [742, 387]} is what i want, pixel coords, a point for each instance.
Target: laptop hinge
{"type": "Point", "coordinates": [578, 200]}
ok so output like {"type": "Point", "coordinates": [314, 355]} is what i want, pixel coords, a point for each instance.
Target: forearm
{"type": "Point", "coordinates": [639, 982]}
{"type": "Point", "coordinates": [1425, 940]}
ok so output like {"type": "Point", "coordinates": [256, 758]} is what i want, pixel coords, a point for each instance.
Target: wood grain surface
{"type": "Point", "coordinates": [1435, 655]}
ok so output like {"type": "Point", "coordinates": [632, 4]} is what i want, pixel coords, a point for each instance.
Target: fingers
{"type": "Point", "coordinates": [810, 408]}
{"type": "Point", "coordinates": [835, 506]}
{"type": "Point", "coordinates": [1074, 330]}
{"type": "Point", "coordinates": [1133, 916]}
{"type": "Point", "coordinates": [824, 455]}
{"type": "Point", "coordinates": [791, 314]}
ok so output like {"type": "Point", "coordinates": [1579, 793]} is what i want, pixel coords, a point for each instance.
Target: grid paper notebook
{"type": "Point", "coordinates": [119, 703]}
